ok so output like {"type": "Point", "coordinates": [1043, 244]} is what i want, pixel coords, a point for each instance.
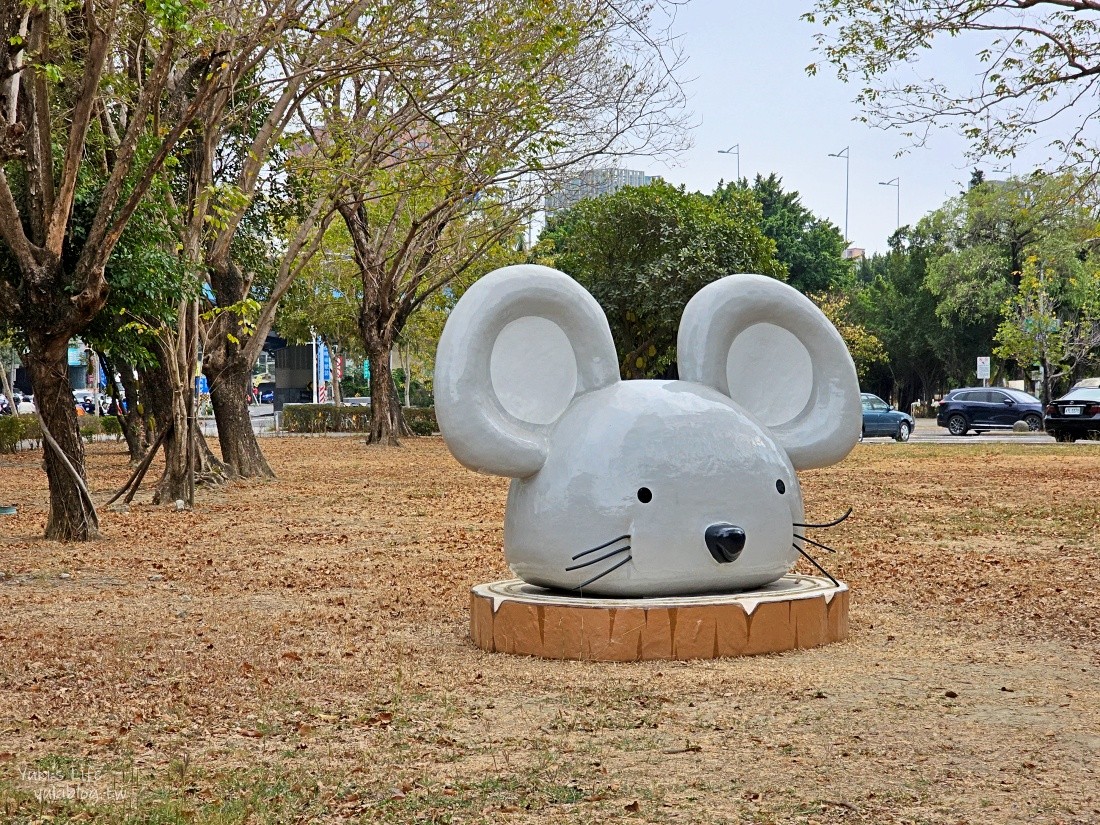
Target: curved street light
{"type": "Point", "coordinates": [844, 153]}
{"type": "Point", "coordinates": [734, 150]}
{"type": "Point", "coordinates": [896, 183]}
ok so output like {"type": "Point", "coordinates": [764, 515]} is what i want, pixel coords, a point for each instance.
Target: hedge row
{"type": "Point", "coordinates": [328, 418]}
{"type": "Point", "coordinates": [14, 429]}
{"type": "Point", "coordinates": [91, 426]}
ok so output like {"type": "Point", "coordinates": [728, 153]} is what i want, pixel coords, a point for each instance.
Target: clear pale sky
{"type": "Point", "coordinates": [748, 86]}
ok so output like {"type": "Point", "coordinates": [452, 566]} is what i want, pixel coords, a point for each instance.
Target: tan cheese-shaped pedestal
{"type": "Point", "coordinates": [794, 612]}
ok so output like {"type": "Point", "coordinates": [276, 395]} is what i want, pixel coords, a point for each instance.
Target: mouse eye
{"type": "Point", "coordinates": [780, 486]}
{"type": "Point", "coordinates": [645, 495]}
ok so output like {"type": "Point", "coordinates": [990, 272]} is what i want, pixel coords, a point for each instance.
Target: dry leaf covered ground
{"type": "Point", "coordinates": [297, 651]}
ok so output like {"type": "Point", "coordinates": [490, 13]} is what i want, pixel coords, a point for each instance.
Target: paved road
{"type": "Point", "coordinates": [926, 432]}
{"type": "Point", "coordinates": [262, 415]}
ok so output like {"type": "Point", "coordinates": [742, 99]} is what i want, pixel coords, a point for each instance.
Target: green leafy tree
{"type": "Point", "coordinates": [863, 345]}
{"type": "Point", "coordinates": [982, 240]}
{"type": "Point", "coordinates": [893, 301]}
{"type": "Point", "coordinates": [1053, 320]}
{"type": "Point", "coordinates": [82, 86]}
{"type": "Point", "coordinates": [958, 282]}
{"type": "Point", "coordinates": [811, 248]}
{"type": "Point", "coordinates": [643, 252]}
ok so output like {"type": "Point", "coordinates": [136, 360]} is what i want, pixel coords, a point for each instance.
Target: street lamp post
{"type": "Point", "coordinates": [734, 150]}
{"type": "Point", "coordinates": [896, 183]}
{"type": "Point", "coordinates": [844, 153]}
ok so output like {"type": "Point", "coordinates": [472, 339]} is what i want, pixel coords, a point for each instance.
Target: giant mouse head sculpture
{"type": "Point", "coordinates": [645, 488]}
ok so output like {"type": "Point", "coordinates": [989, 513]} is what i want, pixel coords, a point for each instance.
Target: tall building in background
{"type": "Point", "coordinates": [592, 184]}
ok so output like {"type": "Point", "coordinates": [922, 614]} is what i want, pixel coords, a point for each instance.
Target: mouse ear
{"type": "Point", "coordinates": [519, 346]}
{"type": "Point", "coordinates": [770, 349]}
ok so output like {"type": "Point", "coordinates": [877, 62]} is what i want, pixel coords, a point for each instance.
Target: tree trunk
{"type": "Point", "coordinates": [135, 429]}
{"type": "Point", "coordinates": [229, 378]}
{"type": "Point", "coordinates": [337, 390]}
{"type": "Point", "coordinates": [168, 408]}
{"type": "Point", "coordinates": [170, 404]}
{"type": "Point", "coordinates": [47, 363]}
{"type": "Point", "coordinates": [386, 421]}
{"type": "Point", "coordinates": [229, 374]}
{"type": "Point", "coordinates": [8, 394]}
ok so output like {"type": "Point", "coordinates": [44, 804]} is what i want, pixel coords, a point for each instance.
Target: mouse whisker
{"type": "Point", "coordinates": [598, 559]}
{"type": "Point", "coordinates": [832, 523]}
{"type": "Point", "coordinates": [600, 546]}
{"type": "Point", "coordinates": [813, 561]}
{"type": "Point", "coordinates": [604, 573]}
{"type": "Point", "coordinates": [815, 543]}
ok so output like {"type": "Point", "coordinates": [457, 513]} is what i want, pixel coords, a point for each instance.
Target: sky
{"type": "Point", "coordinates": [748, 87]}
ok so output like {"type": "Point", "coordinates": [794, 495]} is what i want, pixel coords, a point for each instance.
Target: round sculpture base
{"type": "Point", "coordinates": [796, 611]}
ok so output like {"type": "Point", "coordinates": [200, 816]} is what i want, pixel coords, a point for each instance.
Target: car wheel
{"type": "Point", "coordinates": [903, 431]}
{"type": "Point", "coordinates": [956, 425]}
{"type": "Point", "coordinates": [1034, 423]}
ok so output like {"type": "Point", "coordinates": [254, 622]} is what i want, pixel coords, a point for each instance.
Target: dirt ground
{"type": "Point", "coordinates": [298, 651]}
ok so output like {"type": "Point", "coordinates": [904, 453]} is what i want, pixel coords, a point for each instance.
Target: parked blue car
{"type": "Point", "coordinates": [988, 408]}
{"type": "Point", "coordinates": [879, 418]}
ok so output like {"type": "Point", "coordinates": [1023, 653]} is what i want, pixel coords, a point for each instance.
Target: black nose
{"type": "Point", "coordinates": [725, 542]}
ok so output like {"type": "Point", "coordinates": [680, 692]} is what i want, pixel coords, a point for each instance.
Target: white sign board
{"type": "Point", "coordinates": [983, 366]}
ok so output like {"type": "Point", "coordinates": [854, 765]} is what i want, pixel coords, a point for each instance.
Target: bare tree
{"type": "Point", "coordinates": [326, 43]}
{"type": "Point", "coordinates": [1037, 68]}
{"type": "Point", "coordinates": [444, 156]}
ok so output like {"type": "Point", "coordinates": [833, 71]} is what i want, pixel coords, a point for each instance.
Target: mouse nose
{"type": "Point", "coordinates": [725, 542]}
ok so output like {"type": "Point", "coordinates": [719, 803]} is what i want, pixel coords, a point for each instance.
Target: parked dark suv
{"type": "Point", "coordinates": [988, 408]}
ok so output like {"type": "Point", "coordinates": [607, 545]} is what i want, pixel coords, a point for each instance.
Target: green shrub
{"type": "Point", "coordinates": [111, 426]}
{"type": "Point", "coordinates": [421, 420]}
{"type": "Point", "coordinates": [11, 432]}
{"type": "Point", "coordinates": [328, 418]}
{"type": "Point", "coordinates": [32, 429]}
{"type": "Point", "coordinates": [325, 418]}
{"type": "Point", "coordinates": [90, 427]}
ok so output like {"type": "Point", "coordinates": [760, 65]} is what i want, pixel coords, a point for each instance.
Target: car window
{"type": "Point", "coordinates": [1023, 397]}
{"type": "Point", "coordinates": [971, 397]}
{"type": "Point", "coordinates": [999, 397]}
{"type": "Point", "coordinates": [1081, 395]}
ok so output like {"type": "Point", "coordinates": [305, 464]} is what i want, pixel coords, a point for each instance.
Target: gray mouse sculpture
{"type": "Point", "coordinates": [649, 487]}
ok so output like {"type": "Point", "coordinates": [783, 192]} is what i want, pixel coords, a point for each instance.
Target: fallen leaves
{"type": "Point", "coordinates": [361, 675]}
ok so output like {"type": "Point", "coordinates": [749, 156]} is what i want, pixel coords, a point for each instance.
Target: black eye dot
{"type": "Point", "coordinates": [780, 486]}
{"type": "Point", "coordinates": [645, 495]}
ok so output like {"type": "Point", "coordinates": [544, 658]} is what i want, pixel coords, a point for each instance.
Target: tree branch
{"type": "Point", "coordinates": [11, 229]}
{"type": "Point", "coordinates": [94, 61]}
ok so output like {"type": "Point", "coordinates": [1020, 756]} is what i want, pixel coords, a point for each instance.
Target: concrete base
{"type": "Point", "coordinates": [796, 611]}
